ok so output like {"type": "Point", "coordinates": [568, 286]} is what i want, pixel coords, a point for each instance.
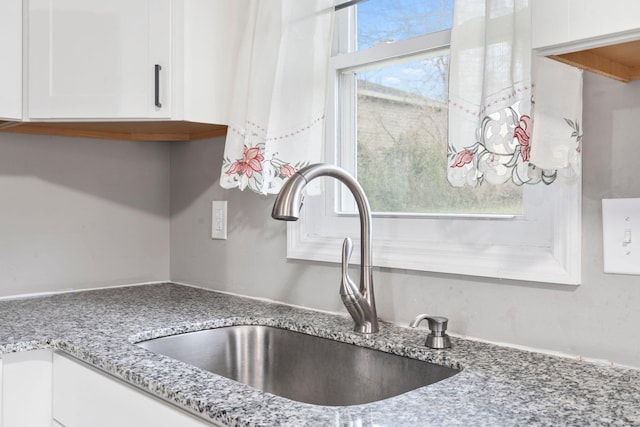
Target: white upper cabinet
{"type": "Point", "coordinates": [97, 59]}
{"type": "Point", "coordinates": [11, 63]}
{"type": "Point", "coordinates": [561, 26]}
{"type": "Point", "coordinates": [127, 69]}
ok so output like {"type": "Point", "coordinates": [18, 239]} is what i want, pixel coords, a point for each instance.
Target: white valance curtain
{"type": "Point", "coordinates": [276, 119]}
{"type": "Point", "coordinates": [496, 133]}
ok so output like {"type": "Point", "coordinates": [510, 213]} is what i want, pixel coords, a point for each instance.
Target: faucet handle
{"type": "Point", "coordinates": [354, 302]}
{"type": "Point", "coordinates": [437, 338]}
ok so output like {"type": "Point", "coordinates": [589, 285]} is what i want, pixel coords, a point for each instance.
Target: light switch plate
{"type": "Point", "coordinates": [219, 220]}
{"type": "Point", "coordinates": [621, 235]}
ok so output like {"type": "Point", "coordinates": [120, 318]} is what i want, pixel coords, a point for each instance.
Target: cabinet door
{"type": "Point", "coordinates": [110, 402]}
{"type": "Point", "coordinates": [1, 389]}
{"type": "Point", "coordinates": [602, 18]}
{"type": "Point", "coordinates": [25, 396]}
{"type": "Point", "coordinates": [96, 59]}
{"type": "Point", "coordinates": [11, 68]}
{"type": "Point", "coordinates": [572, 25]}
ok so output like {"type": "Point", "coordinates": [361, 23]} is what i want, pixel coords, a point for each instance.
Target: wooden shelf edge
{"type": "Point", "coordinates": [130, 131]}
{"type": "Point", "coordinates": [596, 64]}
{"type": "Point", "coordinates": [619, 61]}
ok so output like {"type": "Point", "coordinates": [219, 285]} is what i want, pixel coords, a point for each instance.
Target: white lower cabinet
{"type": "Point", "coordinates": [25, 396]}
{"type": "Point", "coordinates": [83, 396]}
{"type": "Point", "coordinates": [46, 389]}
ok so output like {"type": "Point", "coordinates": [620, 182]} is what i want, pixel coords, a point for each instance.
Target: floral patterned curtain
{"type": "Point", "coordinates": [276, 119]}
{"type": "Point", "coordinates": [556, 140]}
{"type": "Point", "coordinates": [497, 111]}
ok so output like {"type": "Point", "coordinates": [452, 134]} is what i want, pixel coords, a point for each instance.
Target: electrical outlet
{"type": "Point", "coordinates": [219, 220]}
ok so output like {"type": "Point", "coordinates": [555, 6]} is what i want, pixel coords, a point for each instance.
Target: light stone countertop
{"type": "Point", "coordinates": [498, 386]}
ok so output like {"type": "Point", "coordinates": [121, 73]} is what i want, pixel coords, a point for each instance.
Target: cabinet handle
{"type": "Point", "coordinates": [157, 85]}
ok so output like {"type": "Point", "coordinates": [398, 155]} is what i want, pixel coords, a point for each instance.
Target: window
{"type": "Point", "coordinates": [388, 126]}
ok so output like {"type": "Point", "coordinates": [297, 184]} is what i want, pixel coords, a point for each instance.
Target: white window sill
{"type": "Point", "coordinates": [543, 247]}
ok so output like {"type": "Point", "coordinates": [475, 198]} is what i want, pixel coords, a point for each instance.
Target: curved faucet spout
{"type": "Point", "coordinates": [359, 302]}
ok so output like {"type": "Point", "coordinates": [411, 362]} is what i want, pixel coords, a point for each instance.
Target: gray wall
{"type": "Point", "coordinates": [596, 320]}
{"type": "Point", "coordinates": [80, 213]}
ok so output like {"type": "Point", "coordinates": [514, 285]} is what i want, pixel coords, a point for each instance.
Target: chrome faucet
{"type": "Point", "coordinates": [360, 302]}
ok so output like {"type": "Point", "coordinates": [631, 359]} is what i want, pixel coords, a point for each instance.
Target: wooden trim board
{"type": "Point", "coordinates": [130, 131]}
{"type": "Point", "coordinates": [619, 61]}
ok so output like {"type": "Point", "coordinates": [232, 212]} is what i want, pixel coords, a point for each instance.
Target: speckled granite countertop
{"type": "Point", "coordinates": [498, 386]}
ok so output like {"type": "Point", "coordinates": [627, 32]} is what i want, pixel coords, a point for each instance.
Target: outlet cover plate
{"type": "Point", "coordinates": [621, 235]}
{"type": "Point", "coordinates": [219, 220]}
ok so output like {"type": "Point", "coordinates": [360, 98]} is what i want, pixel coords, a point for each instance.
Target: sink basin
{"type": "Point", "coordinates": [300, 367]}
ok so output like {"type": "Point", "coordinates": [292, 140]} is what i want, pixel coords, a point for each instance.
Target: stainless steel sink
{"type": "Point", "coordinates": [298, 366]}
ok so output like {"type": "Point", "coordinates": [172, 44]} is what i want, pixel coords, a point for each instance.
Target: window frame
{"type": "Point", "coordinates": [542, 245]}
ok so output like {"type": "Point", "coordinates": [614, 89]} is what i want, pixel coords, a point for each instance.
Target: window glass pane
{"type": "Point", "coordinates": [386, 21]}
{"type": "Point", "coordinates": [401, 153]}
